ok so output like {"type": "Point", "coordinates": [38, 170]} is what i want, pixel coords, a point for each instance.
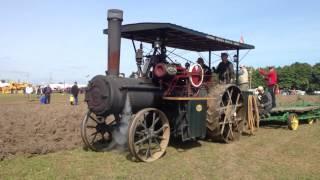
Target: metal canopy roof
{"type": "Point", "coordinates": [178, 37]}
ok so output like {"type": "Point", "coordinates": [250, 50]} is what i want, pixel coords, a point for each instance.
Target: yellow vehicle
{"type": "Point", "coordinates": [14, 88]}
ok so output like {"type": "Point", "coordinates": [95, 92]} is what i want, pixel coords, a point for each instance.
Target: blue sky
{"type": "Point", "coordinates": [63, 40]}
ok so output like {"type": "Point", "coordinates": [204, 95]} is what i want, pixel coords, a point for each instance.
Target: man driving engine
{"type": "Point", "coordinates": [225, 69]}
{"type": "Point", "coordinates": [206, 69]}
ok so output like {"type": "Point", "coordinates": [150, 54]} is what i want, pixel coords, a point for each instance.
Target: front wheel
{"type": "Point", "coordinates": [95, 132]}
{"type": "Point", "coordinates": [149, 134]}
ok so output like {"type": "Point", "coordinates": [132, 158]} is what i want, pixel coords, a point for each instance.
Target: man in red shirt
{"type": "Point", "coordinates": [271, 80]}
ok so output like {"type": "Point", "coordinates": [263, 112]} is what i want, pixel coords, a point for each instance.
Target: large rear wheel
{"type": "Point", "coordinates": [225, 115]}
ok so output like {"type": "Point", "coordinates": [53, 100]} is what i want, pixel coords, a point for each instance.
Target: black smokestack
{"type": "Point", "coordinates": [114, 40]}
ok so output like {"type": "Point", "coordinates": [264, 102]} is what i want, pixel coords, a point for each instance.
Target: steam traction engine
{"type": "Point", "coordinates": [165, 99]}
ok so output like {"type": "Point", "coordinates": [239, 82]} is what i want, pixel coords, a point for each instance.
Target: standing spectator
{"type": "Point", "coordinates": [75, 92]}
{"type": "Point", "coordinates": [38, 91]}
{"type": "Point", "coordinates": [271, 81]}
{"type": "Point", "coordinates": [47, 92]}
{"type": "Point", "coordinates": [243, 78]}
{"type": "Point", "coordinates": [29, 91]}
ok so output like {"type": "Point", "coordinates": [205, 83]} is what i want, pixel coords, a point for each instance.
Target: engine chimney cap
{"type": "Point", "coordinates": [115, 14]}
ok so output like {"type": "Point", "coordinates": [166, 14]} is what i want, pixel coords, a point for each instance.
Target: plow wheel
{"type": "Point", "coordinates": [96, 133]}
{"type": "Point", "coordinates": [293, 122]}
{"type": "Point", "coordinates": [225, 114]}
{"type": "Point", "coordinates": [312, 121]}
{"type": "Point", "coordinates": [149, 134]}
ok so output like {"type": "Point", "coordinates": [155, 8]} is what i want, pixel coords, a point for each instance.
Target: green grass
{"type": "Point", "coordinates": [271, 154]}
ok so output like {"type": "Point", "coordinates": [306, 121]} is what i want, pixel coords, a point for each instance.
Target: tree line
{"type": "Point", "coordinates": [302, 76]}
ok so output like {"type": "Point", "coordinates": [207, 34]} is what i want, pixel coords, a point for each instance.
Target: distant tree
{"type": "Point", "coordinates": [297, 75]}
{"type": "Point", "coordinates": [315, 77]}
{"type": "Point", "coordinates": [257, 79]}
{"type": "Point", "coordinates": [302, 74]}
{"type": "Point", "coordinates": [286, 77]}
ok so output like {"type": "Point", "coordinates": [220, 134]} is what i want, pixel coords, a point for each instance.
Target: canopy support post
{"type": "Point", "coordinates": [134, 45]}
{"type": "Point", "coordinates": [210, 59]}
{"type": "Point", "coordinates": [237, 68]}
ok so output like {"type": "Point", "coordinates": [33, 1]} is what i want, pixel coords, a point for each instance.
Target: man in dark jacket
{"type": "Point", "coordinates": [75, 92]}
{"type": "Point", "coordinates": [47, 93]}
{"type": "Point", "coordinates": [225, 69]}
{"type": "Point", "coordinates": [265, 101]}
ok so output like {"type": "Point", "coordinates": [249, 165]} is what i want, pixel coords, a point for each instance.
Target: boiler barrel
{"type": "Point", "coordinates": [106, 95]}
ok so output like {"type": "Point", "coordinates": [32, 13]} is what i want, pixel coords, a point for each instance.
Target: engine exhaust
{"type": "Point", "coordinates": [114, 41]}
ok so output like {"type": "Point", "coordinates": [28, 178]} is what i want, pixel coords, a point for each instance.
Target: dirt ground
{"type": "Point", "coordinates": [289, 100]}
{"type": "Point", "coordinates": [29, 128]}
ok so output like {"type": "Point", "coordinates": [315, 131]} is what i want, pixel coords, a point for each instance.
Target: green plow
{"type": "Point", "coordinates": [295, 114]}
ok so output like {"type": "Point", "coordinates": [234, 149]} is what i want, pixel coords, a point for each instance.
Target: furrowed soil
{"type": "Point", "coordinates": [28, 129]}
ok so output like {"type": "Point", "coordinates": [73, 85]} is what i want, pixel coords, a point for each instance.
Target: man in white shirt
{"type": "Point", "coordinates": [29, 91]}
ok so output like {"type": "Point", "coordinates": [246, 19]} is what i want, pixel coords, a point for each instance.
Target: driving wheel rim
{"type": "Point", "coordinates": [225, 115]}
{"type": "Point", "coordinates": [232, 123]}
{"type": "Point", "coordinates": [149, 134]}
{"type": "Point", "coordinates": [95, 132]}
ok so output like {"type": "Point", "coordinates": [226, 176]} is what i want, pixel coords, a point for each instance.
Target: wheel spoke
{"type": "Point", "coordinates": [155, 122]}
{"type": "Point", "coordinates": [94, 137]}
{"type": "Point", "coordinates": [226, 116]}
{"type": "Point", "coordinates": [226, 134]}
{"type": "Point", "coordinates": [157, 142]}
{"type": "Point", "coordinates": [230, 129]}
{"type": "Point", "coordinates": [160, 129]}
{"type": "Point", "coordinates": [94, 133]}
{"type": "Point", "coordinates": [92, 118]}
{"type": "Point", "coordinates": [153, 117]}
{"type": "Point", "coordinates": [91, 126]}
{"type": "Point", "coordinates": [230, 94]}
{"type": "Point", "coordinates": [143, 124]}
{"type": "Point", "coordinates": [141, 141]}
{"type": "Point", "coordinates": [140, 133]}
{"type": "Point", "coordinates": [236, 105]}
{"type": "Point", "coordinates": [145, 119]}
{"type": "Point", "coordinates": [148, 153]}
